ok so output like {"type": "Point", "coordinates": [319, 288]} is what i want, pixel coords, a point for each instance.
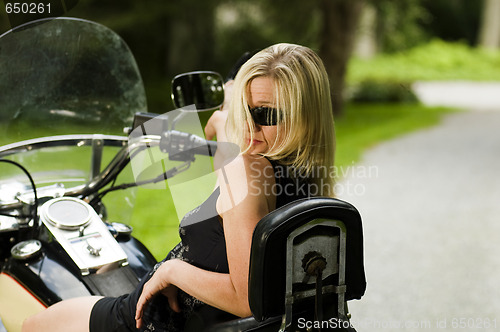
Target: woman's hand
{"type": "Point", "coordinates": [157, 284]}
{"type": "Point", "coordinates": [217, 122]}
{"type": "Point", "coordinates": [215, 126]}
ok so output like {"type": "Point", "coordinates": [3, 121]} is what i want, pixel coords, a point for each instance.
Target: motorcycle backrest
{"type": "Point", "coordinates": [314, 225]}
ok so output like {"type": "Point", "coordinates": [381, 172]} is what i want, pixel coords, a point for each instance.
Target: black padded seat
{"type": "Point", "coordinates": [324, 230]}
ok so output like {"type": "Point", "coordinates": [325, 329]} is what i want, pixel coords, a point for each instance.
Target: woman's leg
{"type": "Point", "coordinates": [69, 315]}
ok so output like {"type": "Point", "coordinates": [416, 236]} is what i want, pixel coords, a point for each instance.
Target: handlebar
{"type": "Point", "coordinates": [179, 145]}
{"type": "Point", "coordinates": [176, 142]}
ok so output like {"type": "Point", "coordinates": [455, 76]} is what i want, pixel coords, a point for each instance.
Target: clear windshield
{"type": "Point", "coordinates": [66, 76]}
{"type": "Point", "coordinates": [74, 77]}
{"type": "Point", "coordinates": [63, 77]}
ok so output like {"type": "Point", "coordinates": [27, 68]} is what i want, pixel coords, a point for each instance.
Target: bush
{"type": "Point", "coordinates": [372, 91]}
{"type": "Point", "coordinates": [436, 60]}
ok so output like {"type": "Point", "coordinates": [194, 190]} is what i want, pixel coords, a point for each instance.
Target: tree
{"type": "Point", "coordinates": [456, 20]}
{"type": "Point", "coordinates": [340, 21]}
{"type": "Point", "coordinates": [489, 33]}
{"type": "Point", "coordinates": [328, 26]}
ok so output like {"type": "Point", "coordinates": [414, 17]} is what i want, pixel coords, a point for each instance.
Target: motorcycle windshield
{"type": "Point", "coordinates": [63, 76]}
{"type": "Point", "coordinates": [66, 76]}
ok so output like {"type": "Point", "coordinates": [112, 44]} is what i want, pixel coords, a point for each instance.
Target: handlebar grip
{"type": "Point", "coordinates": [206, 150]}
{"type": "Point", "coordinates": [177, 142]}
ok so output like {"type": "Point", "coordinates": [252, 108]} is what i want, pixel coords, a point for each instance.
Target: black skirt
{"type": "Point", "coordinates": [117, 314]}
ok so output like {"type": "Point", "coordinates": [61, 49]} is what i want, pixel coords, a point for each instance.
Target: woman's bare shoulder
{"type": "Point", "coordinates": [257, 165]}
{"type": "Point", "coordinates": [246, 179]}
{"type": "Point", "coordinates": [250, 167]}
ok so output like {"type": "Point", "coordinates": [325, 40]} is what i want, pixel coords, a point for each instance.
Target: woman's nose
{"type": "Point", "coordinates": [257, 128]}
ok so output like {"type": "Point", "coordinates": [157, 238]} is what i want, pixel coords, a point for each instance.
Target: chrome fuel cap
{"type": "Point", "coordinates": [26, 249]}
{"type": "Point", "coordinates": [68, 213]}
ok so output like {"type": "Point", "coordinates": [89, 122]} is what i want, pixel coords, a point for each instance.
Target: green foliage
{"type": "Point", "coordinates": [388, 77]}
{"type": "Point", "coordinates": [248, 25]}
{"type": "Point", "coordinates": [398, 25]}
{"type": "Point", "coordinates": [365, 125]}
{"type": "Point", "coordinates": [371, 91]}
{"type": "Point", "coordinates": [436, 60]}
{"type": "Point", "coordinates": [456, 20]}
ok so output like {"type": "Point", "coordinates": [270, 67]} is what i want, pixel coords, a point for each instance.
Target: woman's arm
{"type": "Point", "coordinates": [245, 198]}
{"type": "Point", "coordinates": [216, 123]}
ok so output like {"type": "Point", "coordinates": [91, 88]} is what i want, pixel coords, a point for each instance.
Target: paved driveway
{"type": "Point", "coordinates": [430, 203]}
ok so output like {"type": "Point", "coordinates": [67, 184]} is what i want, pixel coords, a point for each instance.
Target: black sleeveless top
{"type": "Point", "coordinates": [202, 239]}
{"type": "Point", "coordinates": [203, 243]}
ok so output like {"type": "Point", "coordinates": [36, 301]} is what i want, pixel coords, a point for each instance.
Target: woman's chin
{"type": "Point", "coordinates": [254, 150]}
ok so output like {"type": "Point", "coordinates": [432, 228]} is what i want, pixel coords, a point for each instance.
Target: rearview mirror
{"type": "Point", "coordinates": [204, 89]}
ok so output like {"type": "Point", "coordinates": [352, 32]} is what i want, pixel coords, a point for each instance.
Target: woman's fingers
{"type": "Point", "coordinates": [144, 299]}
{"type": "Point", "coordinates": [138, 313]}
{"type": "Point", "coordinates": [150, 289]}
{"type": "Point", "coordinates": [157, 284]}
{"type": "Point", "coordinates": [170, 292]}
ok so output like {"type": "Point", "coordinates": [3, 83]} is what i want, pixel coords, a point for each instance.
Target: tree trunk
{"type": "Point", "coordinates": [192, 37]}
{"type": "Point", "coordinates": [340, 21]}
{"type": "Point", "coordinates": [489, 32]}
{"type": "Point", "coordinates": [365, 42]}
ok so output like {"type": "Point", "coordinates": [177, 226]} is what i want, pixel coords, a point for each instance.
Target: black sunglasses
{"type": "Point", "coordinates": [264, 116]}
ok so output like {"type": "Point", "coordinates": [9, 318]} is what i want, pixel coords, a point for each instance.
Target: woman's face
{"type": "Point", "coordinates": [261, 93]}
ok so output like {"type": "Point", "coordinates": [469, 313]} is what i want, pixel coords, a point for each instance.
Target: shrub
{"type": "Point", "coordinates": [373, 91]}
{"type": "Point", "coordinates": [436, 60]}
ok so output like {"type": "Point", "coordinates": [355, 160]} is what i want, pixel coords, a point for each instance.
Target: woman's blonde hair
{"type": "Point", "coordinates": [306, 135]}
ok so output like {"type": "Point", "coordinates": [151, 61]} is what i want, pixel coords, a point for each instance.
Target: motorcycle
{"type": "Point", "coordinates": [59, 194]}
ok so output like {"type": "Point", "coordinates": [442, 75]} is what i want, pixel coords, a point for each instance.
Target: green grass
{"type": "Point", "coordinates": [436, 60]}
{"type": "Point", "coordinates": [365, 125]}
{"type": "Point", "coordinates": [155, 219]}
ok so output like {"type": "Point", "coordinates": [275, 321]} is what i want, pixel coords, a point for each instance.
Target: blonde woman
{"type": "Point", "coordinates": [280, 115]}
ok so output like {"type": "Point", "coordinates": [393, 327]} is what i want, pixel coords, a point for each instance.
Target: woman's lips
{"type": "Point", "coordinates": [255, 142]}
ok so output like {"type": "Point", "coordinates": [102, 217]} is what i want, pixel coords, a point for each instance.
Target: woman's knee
{"type": "Point", "coordinates": [29, 324]}
{"type": "Point", "coordinates": [69, 315]}
{"type": "Point", "coordinates": [34, 323]}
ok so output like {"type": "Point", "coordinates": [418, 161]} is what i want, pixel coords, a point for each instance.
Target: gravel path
{"type": "Point", "coordinates": [430, 203]}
